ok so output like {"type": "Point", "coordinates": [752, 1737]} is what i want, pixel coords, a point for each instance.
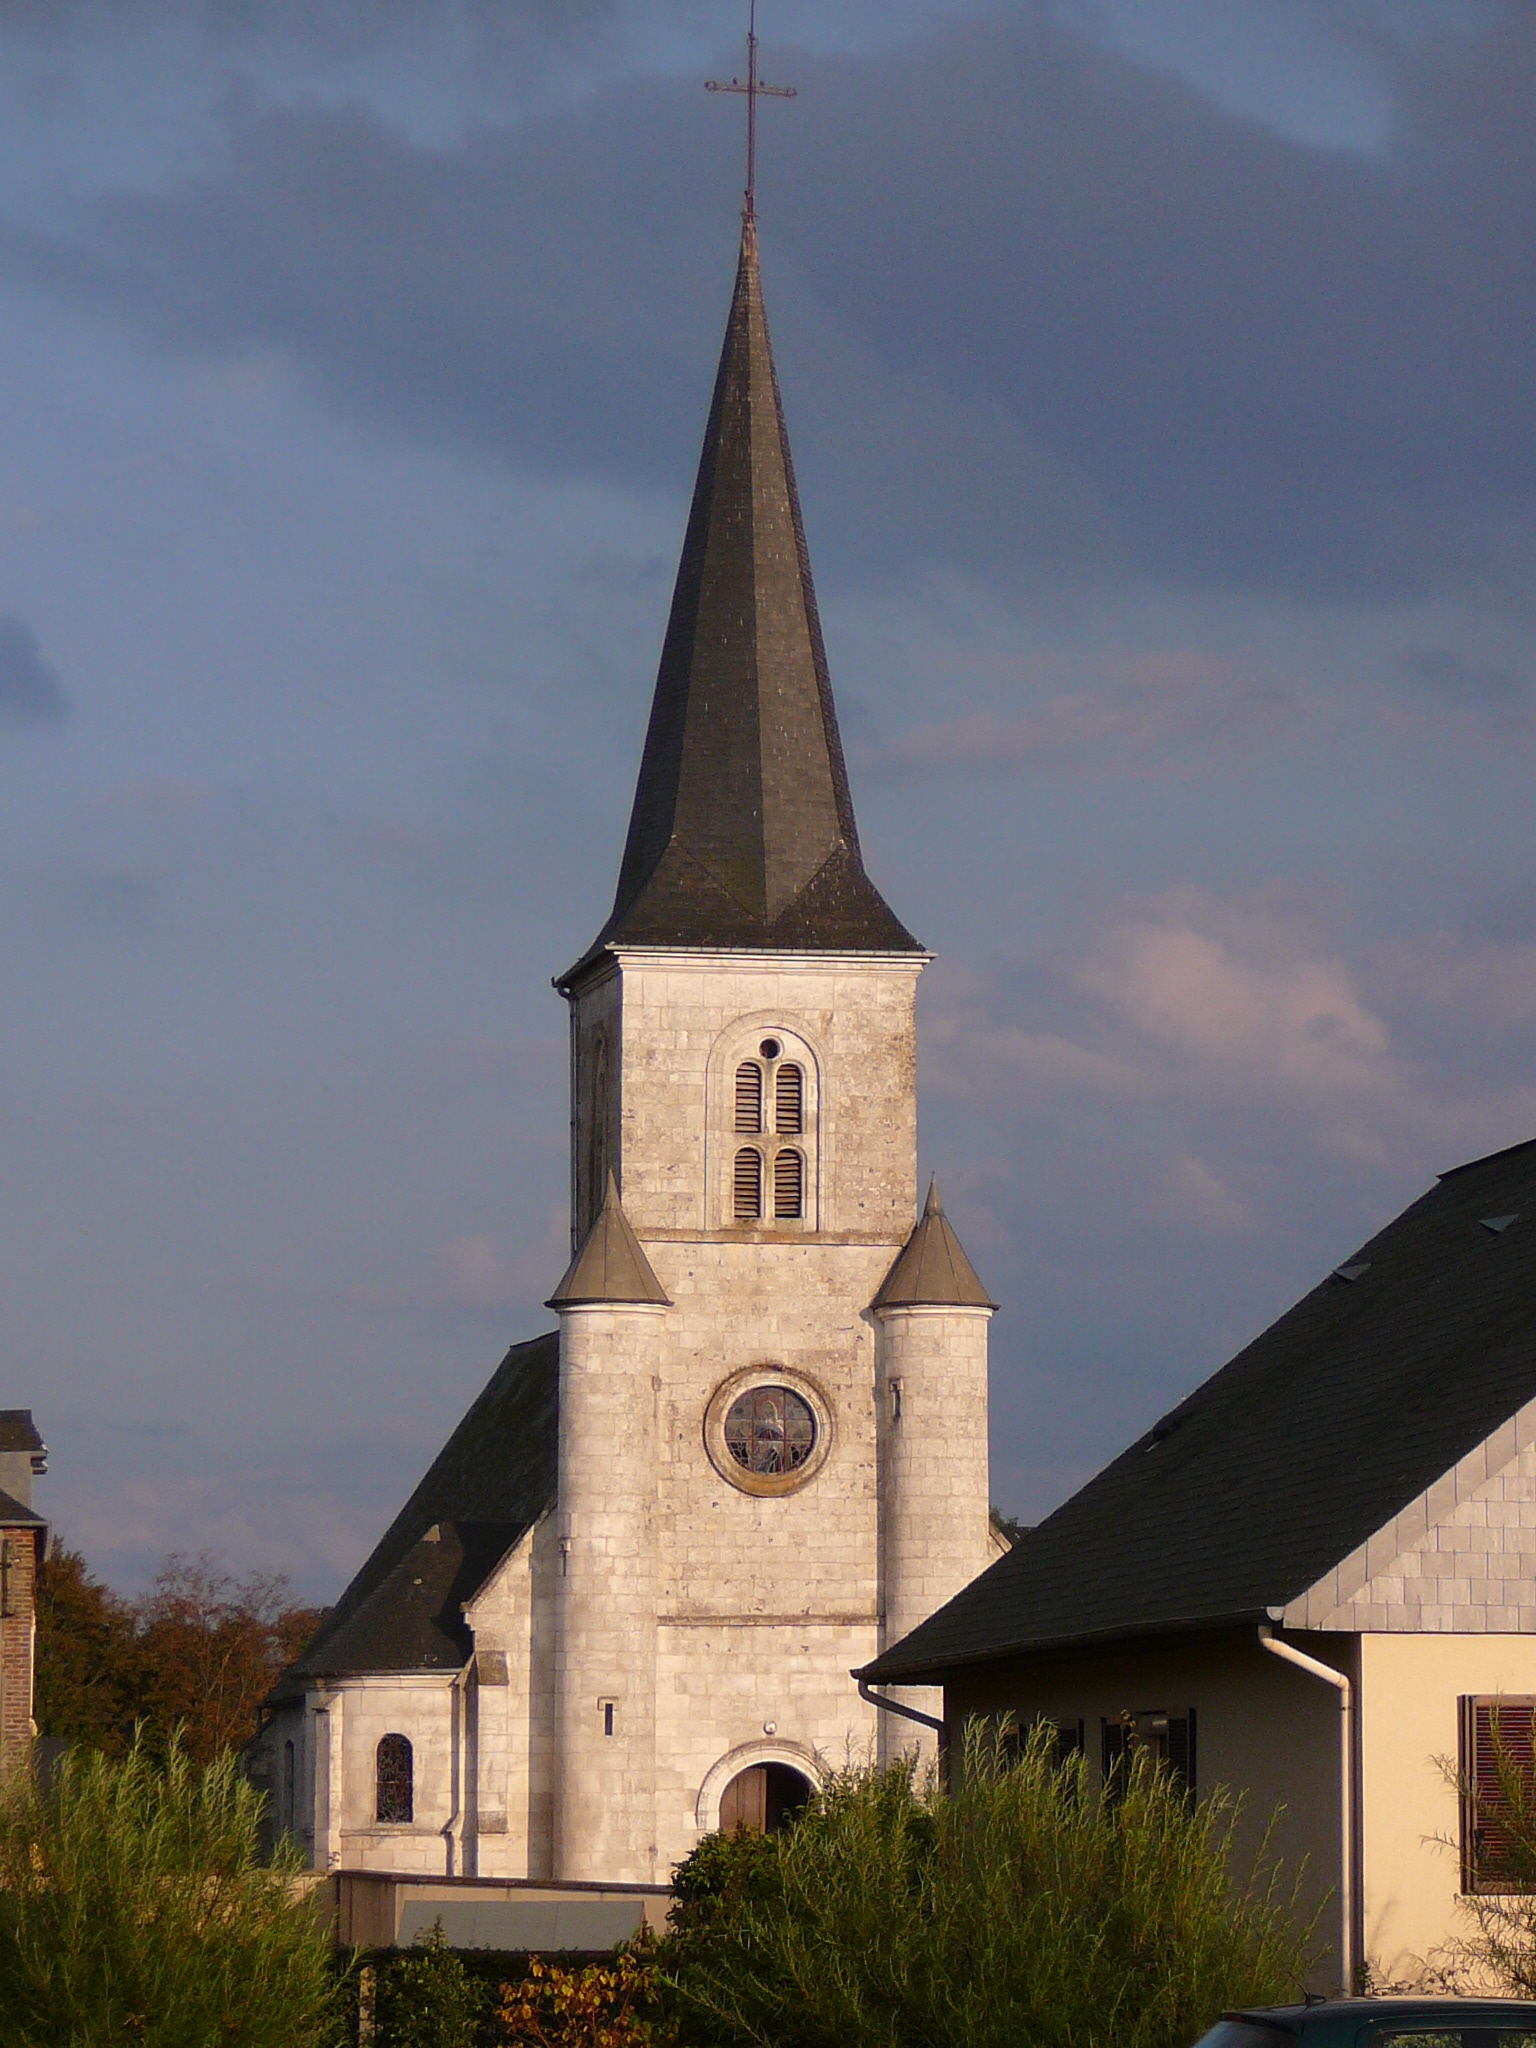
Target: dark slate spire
{"type": "Point", "coordinates": [611, 1265]}
{"type": "Point", "coordinates": [742, 833]}
{"type": "Point", "coordinates": [931, 1269]}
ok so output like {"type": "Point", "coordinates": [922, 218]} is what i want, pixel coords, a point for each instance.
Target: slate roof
{"type": "Point", "coordinates": [742, 833]}
{"type": "Point", "coordinates": [1284, 1462]}
{"type": "Point", "coordinates": [931, 1269]}
{"type": "Point", "coordinates": [484, 1490]}
{"type": "Point", "coordinates": [18, 1432]}
{"type": "Point", "coordinates": [611, 1264]}
{"type": "Point", "coordinates": [13, 1515]}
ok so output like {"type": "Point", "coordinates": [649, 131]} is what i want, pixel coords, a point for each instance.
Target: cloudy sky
{"type": "Point", "coordinates": [1159, 379]}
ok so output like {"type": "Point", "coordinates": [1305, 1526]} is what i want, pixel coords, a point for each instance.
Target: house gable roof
{"type": "Point", "coordinates": [1455, 1559]}
{"type": "Point", "coordinates": [14, 1514]}
{"type": "Point", "coordinates": [484, 1490]}
{"type": "Point", "coordinates": [1410, 1356]}
{"type": "Point", "coordinates": [18, 1432]}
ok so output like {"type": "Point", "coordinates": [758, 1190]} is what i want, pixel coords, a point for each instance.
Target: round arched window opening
{"type": "Point", "coordinates": [770, 1431]}
{"type": "Point", "coordinates": [763, 1798]}
{"type": "Point", "coordinates": [394, 1781]}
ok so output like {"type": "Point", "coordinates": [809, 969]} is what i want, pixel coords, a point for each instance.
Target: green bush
{"type": "Point", "coordinates": [426, 1998]}
{"type": "Point", "coordinates": [136, 1906]}
{"type": "Point", "coordinates": [1026, 1909]}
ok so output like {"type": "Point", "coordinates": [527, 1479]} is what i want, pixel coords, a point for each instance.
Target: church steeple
{"type": "Point", "coordinates": [742, 833]}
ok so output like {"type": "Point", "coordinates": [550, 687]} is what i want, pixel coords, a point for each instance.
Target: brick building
{"type": "Point", "coordinates": [623, 1605]}
{"type": "Point", "coordinates": [23, 1540]}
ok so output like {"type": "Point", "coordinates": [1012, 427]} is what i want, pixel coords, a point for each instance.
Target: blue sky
{"type": "Point", "coordinates": [1158, 374]}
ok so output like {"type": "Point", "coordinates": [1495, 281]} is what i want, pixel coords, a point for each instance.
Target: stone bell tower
{"type": "Point", "coordinates": [772, 1427]}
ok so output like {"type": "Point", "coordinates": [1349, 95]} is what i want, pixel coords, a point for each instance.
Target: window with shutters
{"type": "Point", "coordinates": [1168, 1738]}
{"type": "Point", "coordinates": [394, 1781]}
{"type": "Point", "coordinates": [749, 1184]}
{"type": "Point", "coordinates": [788, 1099]}
{"type": "Point", "coordinates": [770, 1098]}
{"type": "Point", "coordinates": [1498, 1795]}
{"type": "Point", "coordinates": [749, 1097]}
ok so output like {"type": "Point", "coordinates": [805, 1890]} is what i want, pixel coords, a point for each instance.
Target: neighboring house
{"type": "Point", "coordinates": [1314, 1578]}
{"type": "Point", "coordinates": [23, 1541]}
{"type": "Point", "coordinates": [621, 1608]}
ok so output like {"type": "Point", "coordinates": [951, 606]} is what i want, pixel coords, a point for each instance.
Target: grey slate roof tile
{"type": "Point", "coordinates": [742, 834]}
{"type": "Point", "coordinates": [484, 1490]}
{"type": "Point", "coordinates": [611, 1264]}
{"type": "Point", "coordinates": [18, 1432]}
{"type": "Point", "coordinates": [1353, 1404]}
{"type": "Point", "coordinates": [931, 1269]}
{"type": "Point", "coordinates": [13, 1515]}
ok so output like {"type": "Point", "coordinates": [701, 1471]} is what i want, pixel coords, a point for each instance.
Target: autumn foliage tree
{"type": "Point", "coordinates": [198, 1650]}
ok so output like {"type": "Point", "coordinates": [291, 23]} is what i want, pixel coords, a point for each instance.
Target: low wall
{"type": "Point", "coordinates": [374, 1909]}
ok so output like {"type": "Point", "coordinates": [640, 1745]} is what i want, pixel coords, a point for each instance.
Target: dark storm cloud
{"type": "Point", "coordinates": [30, 690]}
{"type": "Point", "coordinates": [1045, 303]}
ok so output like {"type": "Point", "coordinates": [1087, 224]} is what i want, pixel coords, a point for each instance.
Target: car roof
{"type": "Point", "coordinates": [1288, 2017]}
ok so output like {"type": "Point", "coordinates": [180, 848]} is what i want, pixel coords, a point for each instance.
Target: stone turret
{"type": "Point", "coordinates": [611, 1309]}
{"type": "Point", "coordinates": [932, 1314]}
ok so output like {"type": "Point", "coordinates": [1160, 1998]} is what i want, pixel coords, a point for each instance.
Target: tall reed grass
{"type": "Point", "coordinates": [1027, 1908]}
{"type": "Point", "coordinates": [136, 1907]}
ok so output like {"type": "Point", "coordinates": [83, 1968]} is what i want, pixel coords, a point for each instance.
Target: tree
{"type": "Point", "coordinates": [137, 1905]}
{"type": "Point", "coordinates": [209, 1647]}
{"type": "Point", "coordinates": [87, 1686]}
{"type": "Point", "coordinates": [1027, 1905]}
{"type": "Point", "coordinates": [199, 1650]}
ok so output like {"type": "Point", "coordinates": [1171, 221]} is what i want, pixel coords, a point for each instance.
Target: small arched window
{"type": "Point", "coordinates": [788, 1183]}
{"type": "Point", "coordinates": [394, 1773]}
{"type": "Point", "coordinates": [749, 1184]}
{"type": "Point", "coordinates": [788, 1100]}
{"type": "Point", "coordinates": [749, 1097]}
{"type": "Point", "coordinates": [285, 1810]}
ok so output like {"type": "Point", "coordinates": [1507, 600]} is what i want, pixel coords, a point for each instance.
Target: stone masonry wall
{"type": "Point", "coordinates": [763, 1603]}
{"type": "Point", "coordinates": [935, 1528]}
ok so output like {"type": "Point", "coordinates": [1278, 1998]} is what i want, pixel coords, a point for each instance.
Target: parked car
{"type": "Point", "coordinates": [1381, 2023]}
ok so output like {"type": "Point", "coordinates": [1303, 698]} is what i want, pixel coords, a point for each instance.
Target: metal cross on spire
{"type": "Point", "coordinates": [753, 87]}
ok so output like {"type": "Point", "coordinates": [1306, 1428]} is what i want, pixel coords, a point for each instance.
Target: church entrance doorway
{"type": "Point", "coordinates": [763, 1798]}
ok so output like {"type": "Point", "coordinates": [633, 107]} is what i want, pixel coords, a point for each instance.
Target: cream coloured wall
{"type": "Point", "coordinates": [1410, 1687]}
{"type": "Point", "coordinates": [1263, 1729]}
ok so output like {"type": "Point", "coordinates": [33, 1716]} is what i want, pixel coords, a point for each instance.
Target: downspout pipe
{"type": "Point", "coordinates": [867, 1692]}
{"type": "Point", "coordinates": [1315, 1668]}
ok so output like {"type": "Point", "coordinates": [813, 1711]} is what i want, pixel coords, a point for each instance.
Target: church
{"type": "Point", "coordinates": [624, 1605]}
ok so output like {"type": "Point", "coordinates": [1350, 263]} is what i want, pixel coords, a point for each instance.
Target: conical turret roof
{"type": "Point", "coordinates": [742, 833]}
{"type": "Point", "coordinates": [611, 1265]}
{"type": "Point", "coordinates": [931, 1269]}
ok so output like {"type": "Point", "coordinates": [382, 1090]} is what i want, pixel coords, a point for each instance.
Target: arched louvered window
{"type": "Point", "coordinates": [749, 1097]}
{"type": "Point", "coordinates": [788, 1100]}
{"type": "Point", "coordinates": [394, 1781]}
{"type": "Point", "coordinates": [788, 1183]}
{"type": "Point", "coordinates": [749, 1184]}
